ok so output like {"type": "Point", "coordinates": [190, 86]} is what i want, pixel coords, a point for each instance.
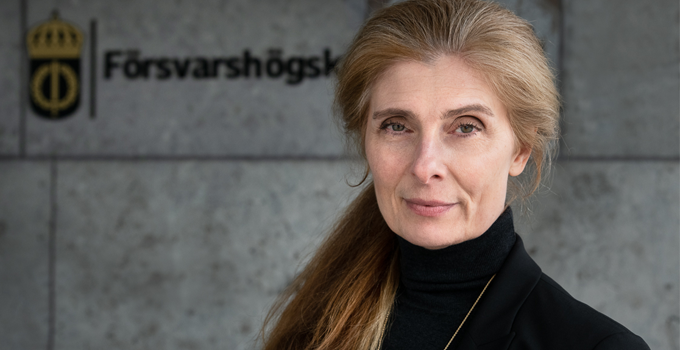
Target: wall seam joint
{"type": "Point", "coordinates": [51, 302]}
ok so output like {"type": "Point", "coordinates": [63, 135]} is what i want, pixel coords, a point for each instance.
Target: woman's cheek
{"type": "Point", "coordinates": [383, 171]}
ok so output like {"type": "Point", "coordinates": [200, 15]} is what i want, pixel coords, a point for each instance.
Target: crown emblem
{"type": "Point", "coordinates": [54, 39]}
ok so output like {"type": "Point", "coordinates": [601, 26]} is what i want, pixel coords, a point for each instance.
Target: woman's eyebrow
{"type": "Point", "coordinates": [391, 112]}
{"type": "Point", "coordinates": [469, 108]}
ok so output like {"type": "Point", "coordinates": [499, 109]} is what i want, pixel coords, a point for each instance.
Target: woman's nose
{"type": "Point", "coordinates": [428, 164]}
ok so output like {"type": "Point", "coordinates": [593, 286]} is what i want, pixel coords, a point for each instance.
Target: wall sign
{"type": "Point", "coordinates": [54, 48]}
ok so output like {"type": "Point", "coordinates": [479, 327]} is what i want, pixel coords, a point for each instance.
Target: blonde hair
{"type": "Point", "coordinates": [343, 298]}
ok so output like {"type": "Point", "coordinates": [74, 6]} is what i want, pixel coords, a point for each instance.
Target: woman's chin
{"type": "Point", "coordinates": [433, 240]}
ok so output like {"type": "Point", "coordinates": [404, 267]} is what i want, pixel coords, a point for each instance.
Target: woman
{"type": "Point", "coordinates": [448, 101]}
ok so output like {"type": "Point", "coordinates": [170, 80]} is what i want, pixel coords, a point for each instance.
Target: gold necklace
{"type": "Point", "coordinates": [469, 312]}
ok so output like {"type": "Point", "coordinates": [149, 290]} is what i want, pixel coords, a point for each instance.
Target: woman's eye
{"type": "Point", "coordinates": [466, 129]}
{"type": "Point", "coordinates": [397, 127]}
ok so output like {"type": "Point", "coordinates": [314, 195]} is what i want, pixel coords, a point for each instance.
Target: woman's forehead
{"type": "Point", "coordinates": [447, 81]}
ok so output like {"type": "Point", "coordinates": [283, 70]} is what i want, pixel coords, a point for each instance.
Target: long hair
{"type": "Point", "coordinates": [343, 297]}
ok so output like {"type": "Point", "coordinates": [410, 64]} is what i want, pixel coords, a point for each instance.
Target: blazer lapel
{"type": "Point", "coordinates": [490, 325]}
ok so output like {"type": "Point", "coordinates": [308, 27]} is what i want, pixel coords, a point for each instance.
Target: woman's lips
{"type": "Point", "coordinates": [428, 208]}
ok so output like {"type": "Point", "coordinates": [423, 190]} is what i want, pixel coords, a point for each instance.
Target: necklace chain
{"type": "Point", "coordinates": [469, 312]}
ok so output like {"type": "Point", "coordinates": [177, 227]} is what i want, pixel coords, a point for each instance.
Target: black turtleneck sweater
{"type": "Point", "coordinates": [438, 287]}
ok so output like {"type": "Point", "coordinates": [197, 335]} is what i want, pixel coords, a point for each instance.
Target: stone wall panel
{"type": "Point", "coordinates": [608, 233]}
{"type": "Point", "coordinates": [11, 47]}
{"type": "Point", "coordinates": [197, 110]}
{"type": "Point", "coordinates": [24, 240]}
{"type": "Point", "coordinates": [183, 254]}
{"type": "Point", "coordinates": [621, 79]}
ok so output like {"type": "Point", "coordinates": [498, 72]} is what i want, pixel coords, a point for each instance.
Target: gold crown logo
{"type": "Point", "coordinates": [54, 39]}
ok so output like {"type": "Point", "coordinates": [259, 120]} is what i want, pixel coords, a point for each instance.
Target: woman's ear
{"type": "Point", "coordinates": [519, 160]}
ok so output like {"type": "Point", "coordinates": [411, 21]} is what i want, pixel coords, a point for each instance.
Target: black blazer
{"type": "Point", "coordinates": [525, 309]}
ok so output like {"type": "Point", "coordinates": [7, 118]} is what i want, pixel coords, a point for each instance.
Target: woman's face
{"type": "Point", "coordinates": [440, 149]}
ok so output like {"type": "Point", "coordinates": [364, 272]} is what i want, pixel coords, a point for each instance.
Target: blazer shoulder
{"type": "Point", "coordinates": [622, 341]}
{"type": "Point", "coordinates": [552, 317]}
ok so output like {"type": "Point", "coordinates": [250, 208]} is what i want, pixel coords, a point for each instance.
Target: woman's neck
{"type": "Point", "coordinates": [470, 260]}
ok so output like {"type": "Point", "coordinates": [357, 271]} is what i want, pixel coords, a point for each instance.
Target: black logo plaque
{"type": "Point", "coordinates": [54, 50]}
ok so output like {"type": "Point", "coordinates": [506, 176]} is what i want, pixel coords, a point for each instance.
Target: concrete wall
{"type": "Point", "coordinates": [174, 214]}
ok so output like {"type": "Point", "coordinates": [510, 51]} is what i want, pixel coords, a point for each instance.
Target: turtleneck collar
{"type": "Point", "coordinates": [438, 287]}
{"type": "Point", "coordinates": [468, 261]}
